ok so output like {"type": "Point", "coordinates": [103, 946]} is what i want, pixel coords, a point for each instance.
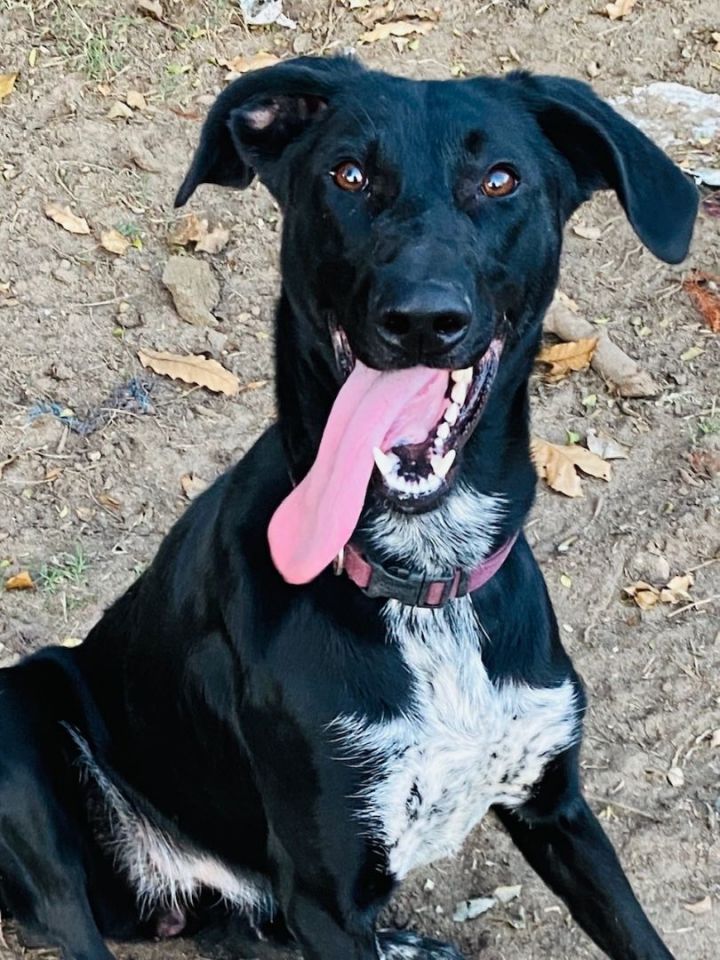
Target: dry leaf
{"type": "Point", "coordinates": [7, 84]}
{"type": "Point", "coordinates": [564, 358]}
{"type": "Point", "coordinates": [214, 241]}
{"type": "Point", "coordinates": [676, 778]}
{"type": "Point", "coordinates": [605, 447]}
{"type": "Point", "coordinates": [558, 465]}
{"type": "Point", "coordinates": [644, 594]}
{"type": "Point", "coordinates": [192, 485]}
{"type": "Point", "coordinates": [66, 218]}
{"type": "Point", "coordinates": [254, 62]}
{"type": "Point", "coordinates": [21, 581]}
{"type": "Point", "coordinates": [704, 291]}
{"type": "Point", "coordinates": [151, 8]}
{"type": "Point", "coordinates": [587, 233]}
{"type": "Point", "coordinates": [699, 908]}
{"type": "Point", "coordinates": [136, 100]}
{"type": "Point", "coordinates": [114, 242]}
{"type": "Point", "coordinates": [397, 28]}
{"type": "Point", "coordinates": [619, 8]}
{"type": "Point", "coordinates": [677, 589]}
{"type": "Point", "coordinates": [190, 229]}
{"type": "Point", "coordinates": [711, 204]}
{"type": "Point", "coordinates": [191, 369]}
{"type": "Point", "coordinates": [119, 111]}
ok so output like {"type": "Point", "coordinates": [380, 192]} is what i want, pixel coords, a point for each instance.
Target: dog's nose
{"type": "Point", "coordinates": [425, 320]}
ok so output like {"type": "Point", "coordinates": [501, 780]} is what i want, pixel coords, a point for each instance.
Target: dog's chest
{"type": "Point", "coordinates": [465, 745]}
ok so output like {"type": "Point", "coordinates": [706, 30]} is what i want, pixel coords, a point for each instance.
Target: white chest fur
{"type": "Point", "coordinates": [464, 745]}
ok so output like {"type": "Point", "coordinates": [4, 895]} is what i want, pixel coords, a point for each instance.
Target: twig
{"type": "Point", "coordinates": [624, 806]}
{"type": "Point", "coordinates": [694, 605]}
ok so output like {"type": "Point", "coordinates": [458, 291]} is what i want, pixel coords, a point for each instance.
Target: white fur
{"type": "Point", "coordinates": [464, 745]}
{"type": "Point", "coordinates": [165, 873]}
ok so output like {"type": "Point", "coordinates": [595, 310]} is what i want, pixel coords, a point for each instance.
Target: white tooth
{"type": "Point", "coordinates": [441, 465]}
{"type": "Point", "coordinates": [452, 413]}
{"type": "Point", "coordinates": [386, 462]}
{"type": "Point", "coordinates": [462, 376]}
{"type": "Point", "coordinates": [459, 392]}
{"type": "Point", "coordinates": [443, 431]}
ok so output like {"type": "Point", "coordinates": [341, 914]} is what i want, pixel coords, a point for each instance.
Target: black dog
{"type": "Point", "coordinates": [243, 720]}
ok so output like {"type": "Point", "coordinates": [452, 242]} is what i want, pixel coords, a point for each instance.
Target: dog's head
{"type": "Point", "coordinates": [423, 226]}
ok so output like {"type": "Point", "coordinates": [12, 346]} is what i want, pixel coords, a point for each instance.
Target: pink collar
{"type": "Point", "coordinates": [377, 581]}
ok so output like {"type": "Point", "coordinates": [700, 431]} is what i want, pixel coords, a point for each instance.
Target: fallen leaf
{"type": "Point", "coordinates": [192, 485]}
{"type": "Point", "coordinates": [619, 9]}
{"type": "Point", "coordinates": [214, 241]}
{"type": "Point", "coordinates": [715, 739]}
{"type": "Point", "coordinates": [644, 594]}
{"type": "Point", "coordinates": [190, 229]}
{"type": "Point", "coordinates": [605, 447]}
{"type": "Point", "coordinates": [21, 581]}
{"type": "Point", "coordinates": [65, 218]}
{"type": "Point", "coordinates": [704, 291]}
{"type": "Point", "coordinates": [119, 111]}
{"type": "Point", "coordinates": [586, 232]}
{"type": "Point", "coordinates": [677, 589]}
{"type": "Point", "coordinates": [256, 61]}
{"type": "Point", "coordinates": [564, 358]}
{"type": "Point", "coordinates": [675, 776]}
{"type": "Point", "coordinates": [151, 8]}
{"type": "Point", "coordinates": [191, 369]}
{"type": "Point", "coordinates": [470, 909]}
{"type": "Point", "coordinates": [558, 465]}
{"type": "Point", "coordinates": [397, 28]}
{"type": "Point", "coordinates": [114, 242]}
{"type": "Point", "coordinates": [107, 500]}
{"type": "Point", "coordinates": [710, 206]}
{"type": "Point", "coordinates": [507, 894]}
{"type": "Point", "coordinates": [699, 908]}
{"type": "Point", "coordinates": [136, 100]}
{"type": "Point", "coordinates": [7, 84]}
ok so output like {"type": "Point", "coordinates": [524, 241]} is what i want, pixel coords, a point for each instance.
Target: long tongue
{"type": "Point", "coordinates": [373, 409]}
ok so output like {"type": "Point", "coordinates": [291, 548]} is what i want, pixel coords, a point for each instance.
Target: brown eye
{"type": "Point", "coordinates": [349, 176]}
{"type": "Point", "coordinates": [499, 182]}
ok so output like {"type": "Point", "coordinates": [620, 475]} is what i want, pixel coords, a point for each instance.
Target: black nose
{"type": "Point", "coordinates": [428, 319]}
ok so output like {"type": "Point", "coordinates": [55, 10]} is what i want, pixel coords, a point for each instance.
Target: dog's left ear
{"type": "Point", "coordinates": [258, 116]}
{"type": "Point", "coordinates": [608, 152]}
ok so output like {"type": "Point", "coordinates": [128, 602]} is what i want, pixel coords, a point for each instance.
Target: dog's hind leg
{"type": "Point", "coordinates": [561, 838]}
{"type": "Point", "coordinates": [43, 879]}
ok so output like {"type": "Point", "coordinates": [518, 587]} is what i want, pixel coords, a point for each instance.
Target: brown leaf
{"type": "Point", "coordinates": [711, 204]}
{"type": "Point", "coordinates": [114, 242]}
{"type": "Point", "coordinates": [254, 62]}
{"type": "Point", "coordinates": [704, 291]}
{"type": "Point", "coordinates": [705, 462]}
{"type": "Point", "coordinates": [21, 581]}
{"type": "Point", "coordinates": [191, 369]}
{"type": "Point", "coordinates": [66, 218]}
{"type": "Point", "coordinates": [396, 28]}
{"type": "Point", "coordinates": [677, 589]}
{"type": "Point", "coordinates": [7, 84]}
{"type": "Point", "coordinates": [605, 447]}
{"type": "Point", "coordinates": [558, 465]}
{"type": "Point", "coordinates": [564, 358]}
{"type": "Point", "coordinates": [699, 908]}
{"type": "Point", "coordinates": [192, 485]}
{"type": "Point", "coordinates": [190, 229]}
{"type": "Point", "coordinates": [119, 111]}
{"type": "Point", "coordinates": [151, 8]}
{"type": "Point", "coordinates": [644, 594]}
{"type": "Point", "coordinates": [619, 8]}
{"type": "Point", "coordinates": [136, 100]}
{"type": "Point", "coordinates": [214, 241]}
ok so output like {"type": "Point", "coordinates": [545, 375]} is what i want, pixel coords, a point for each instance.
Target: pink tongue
{"type": "Point", "coordinates": [373, 409]}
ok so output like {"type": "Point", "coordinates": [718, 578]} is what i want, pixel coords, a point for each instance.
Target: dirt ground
{"type": "Point", "coordinates": [84, 513]}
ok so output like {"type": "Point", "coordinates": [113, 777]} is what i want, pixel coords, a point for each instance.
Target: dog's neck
{"type": "Point", "coordinates": [490, 498]}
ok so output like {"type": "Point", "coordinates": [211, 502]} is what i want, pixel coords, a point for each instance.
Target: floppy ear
{"type": "Point", "coordinates": [608, 152]}
{"type": "Point", "coordinates": [258, 115]}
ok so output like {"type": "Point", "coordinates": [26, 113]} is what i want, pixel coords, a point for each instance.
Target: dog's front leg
{"type": "Point", "coordinates": [561, 838]}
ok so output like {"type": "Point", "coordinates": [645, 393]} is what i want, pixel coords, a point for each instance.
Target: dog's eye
{"type": "Point", "coordinates": [349, 176]}
{"type": "Point", "coordinates": [500, 181]}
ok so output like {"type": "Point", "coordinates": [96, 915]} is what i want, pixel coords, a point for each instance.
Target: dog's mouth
{"type": "Point", "coordinates": [414, 475]}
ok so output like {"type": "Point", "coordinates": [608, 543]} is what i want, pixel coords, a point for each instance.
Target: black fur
{"type": "Point", "coordinates": [204, 692]}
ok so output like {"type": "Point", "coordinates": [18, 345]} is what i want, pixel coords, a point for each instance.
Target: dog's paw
{"type": "Point", "coordinates": [402, 945]}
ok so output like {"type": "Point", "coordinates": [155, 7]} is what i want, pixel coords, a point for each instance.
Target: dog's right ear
{"type": "Point", "coordinates": [258, 115]}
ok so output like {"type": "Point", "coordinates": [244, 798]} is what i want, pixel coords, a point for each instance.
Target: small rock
{"type": "Point", "coordinates": [507, 894]}
{"type": "Point", "coordinates": [470, 909]}
{"type": "Point", "coordinates": [129, 318]}
{"type": "Point", "coordinates": [676, 778]}
{"type": "Point", "coordinates": [216, 341]}
{"type": "Point", "coordinates": [593, 69]}
{"type": "Point", "coordinates": [194, 289]}
{"type": "Point", "coordinates": [649, 567]}
{"type": "Point", "coordinates": [302, 43]}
